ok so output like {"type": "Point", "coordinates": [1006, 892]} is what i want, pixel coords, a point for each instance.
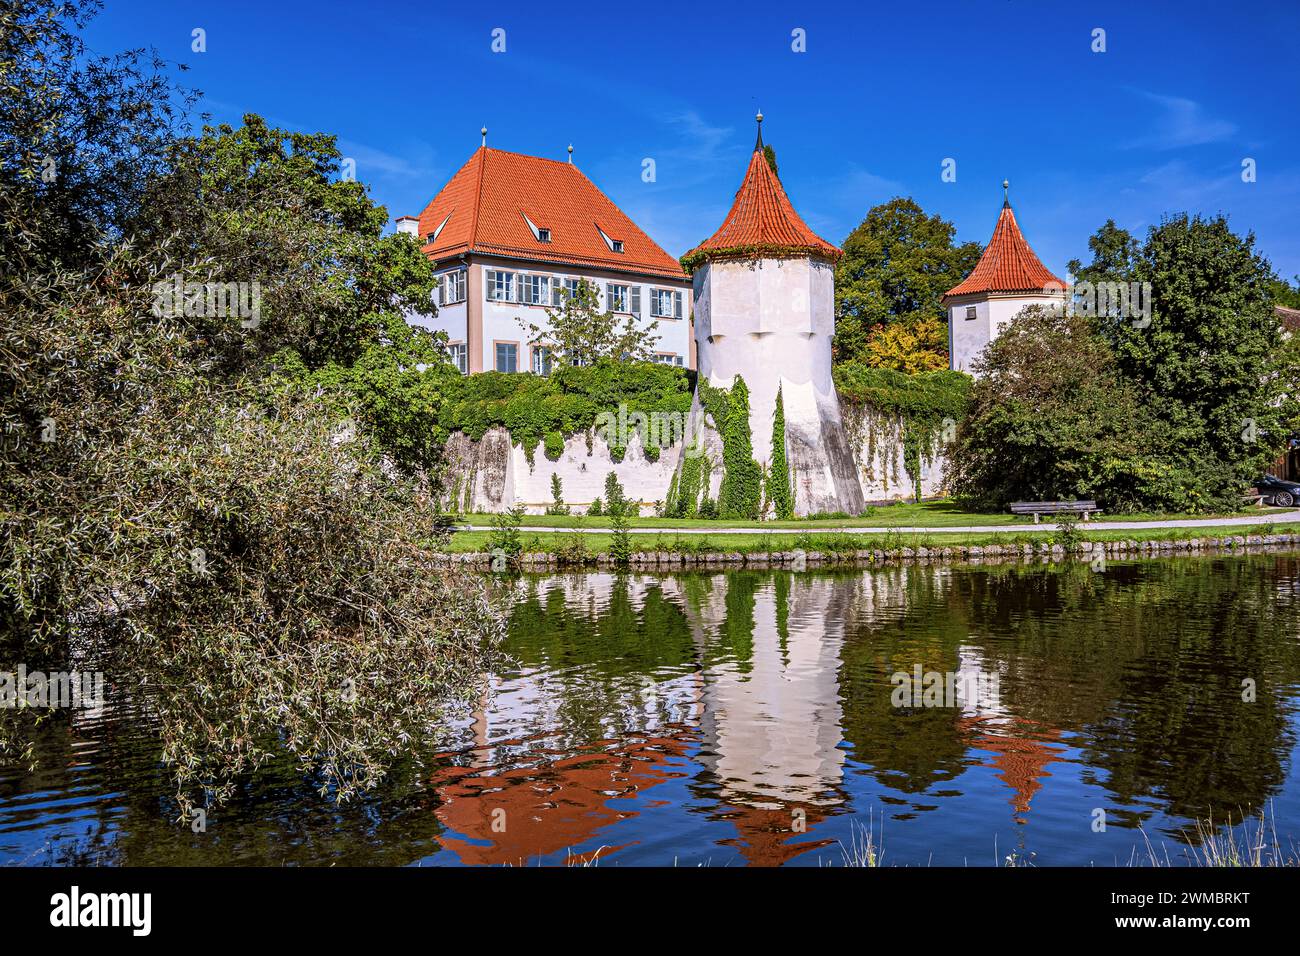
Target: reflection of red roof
{"type": "Point", "coordinates": [1008, 264]}
{"type": "Point", "coordinates": [1022, 760]}
{"type": "Point", "coordinates": [767, 836]}
{"type": "Point", "coordinates": [551, 807]}
{"type": "Point", "coordinates": [488, 205]}
{"type": "Point", "coordinates": [762, 222]}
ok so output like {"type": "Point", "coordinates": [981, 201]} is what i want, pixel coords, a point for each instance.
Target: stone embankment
{"type": "Point", "coordinates": [796, 559]}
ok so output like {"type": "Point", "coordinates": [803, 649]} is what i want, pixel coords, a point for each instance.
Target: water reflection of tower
{"type": "Point", "coordinates": [770, 725]}
{"type": "Point", "coordinates": [1020, 747]}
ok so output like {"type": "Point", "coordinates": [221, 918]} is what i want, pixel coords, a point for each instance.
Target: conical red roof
{"type": "Point", "coordinates": [762, 223]}
{"type": "Point", "coordinates": [1008, 264]}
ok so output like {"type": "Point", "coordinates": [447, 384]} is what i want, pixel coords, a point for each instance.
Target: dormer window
{"type": "Point", "coordinates": [540, 234]}
{"type": "Point", "coordinates": [429, 239]}
{"type": "Point", "coordinates": [615, 245]}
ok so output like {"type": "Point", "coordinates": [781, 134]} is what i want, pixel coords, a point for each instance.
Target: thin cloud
{"type": "Point", "coordinates": [1182, 122]}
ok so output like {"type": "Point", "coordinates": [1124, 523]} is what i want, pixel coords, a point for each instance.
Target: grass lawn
{"type": "Point", "coordinates": [927, 514]}
{"type": "Point", "coordinates": [557, 541]}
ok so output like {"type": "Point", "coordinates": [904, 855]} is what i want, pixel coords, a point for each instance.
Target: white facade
{"type": "Point", "coordinates": [771, 321]}
{"type": "Point", "coordinates": [976, 319]}
{"type": "Point", "coordinates": [484, 308]}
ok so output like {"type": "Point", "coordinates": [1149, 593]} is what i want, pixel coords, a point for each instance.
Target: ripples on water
{"type": "Point", "coordinates": [746, 719]}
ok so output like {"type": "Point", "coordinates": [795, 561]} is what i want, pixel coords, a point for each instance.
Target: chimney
{"type": "Point", "coordinates": [409, 225]}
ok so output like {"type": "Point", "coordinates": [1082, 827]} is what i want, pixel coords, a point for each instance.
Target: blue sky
{"type": "Point", "coordinates": [1158, 123]}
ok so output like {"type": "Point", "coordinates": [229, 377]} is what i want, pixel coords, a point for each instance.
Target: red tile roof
{"type": "Point", "coordinates": [762, 222]}
{"type": "Point", "coordinates": [1290, 318]}
{"type": "Point", "coordinates": [1008, 264]}
{"type": "Point", "coordinates": [482, 210]}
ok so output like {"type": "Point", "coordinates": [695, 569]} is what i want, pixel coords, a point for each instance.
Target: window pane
{"type": "Point", "coordinates": [507, 357]}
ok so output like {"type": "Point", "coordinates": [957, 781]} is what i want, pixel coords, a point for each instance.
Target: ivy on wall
{"type": "Point", "coordinates": [778, 477]}
{"type": "Point", "coordinates": [925, 402]}
{"type": "Point", "coordinates": [545, 411]}
{"type": "Point", "coordinates": [741, 492]}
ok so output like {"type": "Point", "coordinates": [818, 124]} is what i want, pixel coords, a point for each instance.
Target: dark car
{"type": "Point", "coordinates": [1278, 491]}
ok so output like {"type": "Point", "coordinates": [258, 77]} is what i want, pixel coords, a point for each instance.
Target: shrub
{"type": "Point", "coordinates": [616, 503]}
{"type": "Point", "coordinates": [620, 547]}
{"type": "Point", "coordinates": [557, 505]}
{"type": "Point", "coordinates": [740, 494]}
{"type": "Point", "coordinates": [1051, 418]}
{"type": "Point", "coordinates": [778, 477]}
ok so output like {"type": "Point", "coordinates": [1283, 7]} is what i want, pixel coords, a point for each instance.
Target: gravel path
{"type": "Point", "coordinates": [1272, 517]}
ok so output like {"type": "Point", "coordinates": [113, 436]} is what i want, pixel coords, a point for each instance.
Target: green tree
{"type": "Point", "coordinates": [897, 265]}
{"type": "Point", "coordinates": [1209, 361]}
{"type": "Point", "coordinates": [1051, 417]}
{"type": "Point", "coordinates": [1114, 251]}
{"type": "Point", "coordinates": [616, 504]}
{"type": "Point", "coordinates": [169, 502]}
{"type": "Point", "coordinates": [769, 154]}
{"type": "Point", "coordinates": [580, 333]}
{"type": "Point", "coordinates": [917, 344]}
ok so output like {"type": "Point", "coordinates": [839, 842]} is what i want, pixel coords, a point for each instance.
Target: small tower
{"type": "Point", "coordinates": [764, 292]}
{"type": "Point", "coordinates": [1009, 277]}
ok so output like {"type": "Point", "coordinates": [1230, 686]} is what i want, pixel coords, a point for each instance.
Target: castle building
{"type": "Point", "coordinates": [1008, 278]}
{"type": "Point", "coordinates": [764, 290]}
{"type": "Point", "coordinates": [511, 233]}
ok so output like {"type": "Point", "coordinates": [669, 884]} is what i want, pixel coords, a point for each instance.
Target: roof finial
{"type": "Point", "coordinates": [484, 132]}
{"type": "Point", "coordinates": [758, 144]}
{"type": "Point", "coordinates": [570, 154]}
{"type": "Point", "coordinates": [1006, 194]}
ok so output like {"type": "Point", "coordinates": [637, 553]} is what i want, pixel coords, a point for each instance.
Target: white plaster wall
{"type": "Point", "coordinates": [967, 338]}
{"type": "Point", "coordinates": [878, 452]}
{"type": "Point", "coordinates": [452, 319]}
{"type": "Point", "coordinates": [501, 320]}
{"type": "Point", "coordinates": [503, 479]}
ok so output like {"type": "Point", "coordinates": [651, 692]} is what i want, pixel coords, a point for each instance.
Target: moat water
{"type": "Point", "coordinates": [1082, 717]}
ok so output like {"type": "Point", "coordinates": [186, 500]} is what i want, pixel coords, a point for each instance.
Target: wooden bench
{"type": "Point", "coordinates": [1036, 508]}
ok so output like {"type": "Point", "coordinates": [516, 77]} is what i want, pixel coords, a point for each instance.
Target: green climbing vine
{"type": "Point", "coordinates": [925, 402]}
{"type": "Point", "coordinates": [778, 477]}
{"type": "Point", "coordinates": [740, 495]}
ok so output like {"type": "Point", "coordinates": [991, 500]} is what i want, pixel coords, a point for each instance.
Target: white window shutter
{"type": "Point", "coordinates": [636, 300]}
{"type": "Point", "coordinates": [677, 305]}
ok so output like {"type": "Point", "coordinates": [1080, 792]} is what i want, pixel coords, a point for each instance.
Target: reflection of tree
{"type": "Point", "coordinates": [1143, 661]}
{"type": "Point", "coordinates": [911, 749]}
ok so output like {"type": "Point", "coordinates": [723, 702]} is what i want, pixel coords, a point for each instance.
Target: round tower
{"type": "Point", "coordinates": [764, 293]}
{"type": "Point", "coordinates": [1009, 277]}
